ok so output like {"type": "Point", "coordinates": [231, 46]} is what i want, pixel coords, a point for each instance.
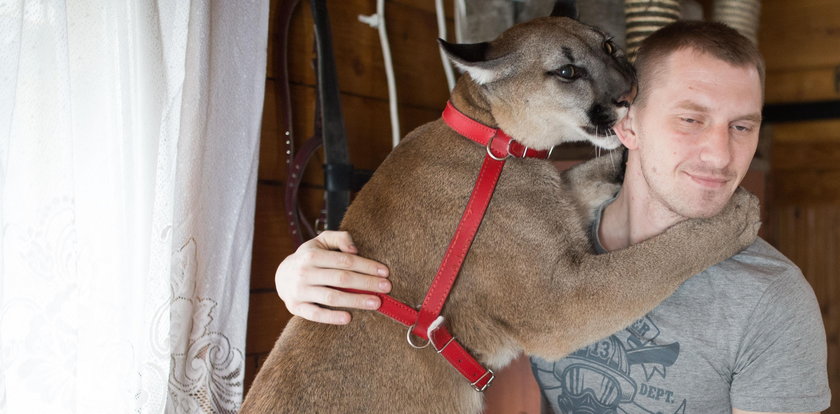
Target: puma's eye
{"type": "Point", "coordinates": [609, 46]}
{"type": "Point", "coordinates": [568, 72]}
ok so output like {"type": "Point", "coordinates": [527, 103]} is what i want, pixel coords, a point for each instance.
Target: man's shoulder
{"type": "Point", "coordinates": [760, 274]}
{"type": "Point", "coordinates": [759, 263]}
{"type": "Point", "coordinates": [754, 273]}
{"type": "Point", "coordinates": [762, 252]}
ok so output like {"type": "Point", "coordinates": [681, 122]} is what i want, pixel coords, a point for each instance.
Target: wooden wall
{"type": "Point", "coordinates": [801, 43]}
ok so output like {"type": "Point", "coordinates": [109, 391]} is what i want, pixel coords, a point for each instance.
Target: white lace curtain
{"type": "Point", "coordinates": [129, 136]}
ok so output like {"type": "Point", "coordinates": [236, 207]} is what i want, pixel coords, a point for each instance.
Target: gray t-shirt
{"type": "Point", "coordinates": [745, 333]}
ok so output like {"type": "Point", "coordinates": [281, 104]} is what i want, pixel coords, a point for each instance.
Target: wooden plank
{"type": "Point", "coordinates": [792, 156]}
{"type": "Point", "coordinates": [272, 240]}
{"type": "Point", "coordinates": [427, 6]}
{"type": "Point", "coordinates": [809, 234]}
{"type": "Point", "coordinates": [800, 34]}
{"type": "Point", "coordinates": [805, 187]}
{"type": "Point", "coordinates": [801, 85]}
{"type": "Point", "coordinates": [266, 318]}
{"type": "Point", "coordinates": [412, 34]}
{"type": "Point", "coordinates": [807, 132]}
{"type": "Point", "coordinates": [367, 126]}
{"type": "Point", "coordinates": [250, 372]}
{"type": "Point", "coordinates": [254, 365]}
{"type": "Point", "coordinates": [365, 7]}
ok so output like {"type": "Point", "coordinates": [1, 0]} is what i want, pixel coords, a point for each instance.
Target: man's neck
{"type": "Point", "coordinates": [633, 216]}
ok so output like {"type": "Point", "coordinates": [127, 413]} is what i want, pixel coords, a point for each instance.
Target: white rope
{"type": "Point", "coordinates": [441, 22]}
{"type": "Point", "coordinates": [460, 7]}
{"type": "Point", "coordinates": [378, 21]}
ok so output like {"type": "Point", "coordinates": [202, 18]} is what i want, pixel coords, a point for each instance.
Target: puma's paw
{"type": "Point", "coordinates": [593, 183]}
{"type": "Point", "coordinates": [744, 215]}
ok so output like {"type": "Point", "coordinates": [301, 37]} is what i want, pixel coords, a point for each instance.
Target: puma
{"type": "Point", "coordinates": [531, 282]}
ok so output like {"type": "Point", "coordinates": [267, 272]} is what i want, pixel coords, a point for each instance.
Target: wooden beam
{"type": "Point", "coordinates": [806, 187]}
{"type": "Point", "coordinates": [803, 85]}
{"type": "Point", "coordinates": [802, 111]}
{"type": "Point", "coordinates": [801, 156]}
{"type": "Point", "coordinates": [266, 318]}
{"type": "Point", "coordinates": [800, 34]}
{"type": "Point", "coordinates": [812, 131]}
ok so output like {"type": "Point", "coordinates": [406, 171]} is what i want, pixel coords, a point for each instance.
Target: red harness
{"type": "Point", "coordinates": [427, 322]}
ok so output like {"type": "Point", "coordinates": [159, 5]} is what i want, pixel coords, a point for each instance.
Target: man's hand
{"type": "Point", "coordinates": [306, 280]}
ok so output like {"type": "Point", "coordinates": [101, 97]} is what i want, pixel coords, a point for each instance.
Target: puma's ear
{"type": "Point", "coordinates": [626, 132]}
{"type": "Point", "coordinates": [472, 58]}
{"type": "Point", "coordinates": [565, 8]}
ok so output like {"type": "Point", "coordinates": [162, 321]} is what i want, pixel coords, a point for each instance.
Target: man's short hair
{"type": "Point", "coordinates": [712, 38]}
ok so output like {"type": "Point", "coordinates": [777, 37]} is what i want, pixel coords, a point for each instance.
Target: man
{"type": "Point", "coordinates": [743, 336]}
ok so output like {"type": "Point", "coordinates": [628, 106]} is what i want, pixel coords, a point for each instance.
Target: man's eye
{"type": "Point", "coordinates": [742, 128]}
{"type": "Point", "coordinates": [689, 120]}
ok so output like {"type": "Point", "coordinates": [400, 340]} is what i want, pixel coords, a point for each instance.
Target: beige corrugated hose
{"type": "Point", "coordinates": [742, 15]}
{"type": "Point", "coordinates": [645, 17]}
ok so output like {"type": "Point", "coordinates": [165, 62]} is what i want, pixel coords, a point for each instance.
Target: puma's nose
{"type": "Point", "coordinates": [600, 115]}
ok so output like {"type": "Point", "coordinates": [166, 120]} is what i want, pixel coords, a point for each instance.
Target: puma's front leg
{"type": "Point", "coordinates": [592, 183]}
{"type": "Point", "coordinates": [607, 292]}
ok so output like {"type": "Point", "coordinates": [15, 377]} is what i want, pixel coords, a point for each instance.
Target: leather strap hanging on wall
{"type": "Point", "coordinates": [298, 225]}
{"type": "Point", "coordinates": [340, 178]}
{"type": "Point", "coordinates": [337, 169]}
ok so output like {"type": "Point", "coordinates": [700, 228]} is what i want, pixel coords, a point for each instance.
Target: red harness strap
{"type": "Point", "coordinates": [496, 142]}
{"type": "Point", "coordinates": [427, 322]}
{"type": "Point", "coordinates": [444, 343]}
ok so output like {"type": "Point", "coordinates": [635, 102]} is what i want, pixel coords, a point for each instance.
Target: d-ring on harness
{"type": "Point", "coordinates": [427, 323]}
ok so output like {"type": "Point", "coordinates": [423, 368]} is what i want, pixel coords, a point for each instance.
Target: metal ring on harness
{"type": "Point", "coordinates": [490, 152]}
{"type": "Point", "coordinates": [408, 338]}
{"type": "Point", "coordinates": [429, 332]}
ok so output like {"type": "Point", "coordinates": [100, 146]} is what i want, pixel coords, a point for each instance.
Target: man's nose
{"type": "Point", "coordinates": [716, 148]}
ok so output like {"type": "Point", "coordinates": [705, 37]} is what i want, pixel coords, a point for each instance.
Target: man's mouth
{"type": "Point", "coordinates": [709, 181]}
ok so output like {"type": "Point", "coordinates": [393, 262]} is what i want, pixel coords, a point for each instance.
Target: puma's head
{"type": "Point", "coordinates": [549, 81]}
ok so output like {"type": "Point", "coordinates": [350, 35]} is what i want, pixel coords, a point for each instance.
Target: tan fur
{"type": "Point", "coordinates": [530, 283]}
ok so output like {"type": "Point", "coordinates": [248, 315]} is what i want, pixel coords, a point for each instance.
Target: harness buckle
{"type": "Point", "coordinates": [525, 152]}
{"type": "Point", "coordinates": [484, 387]}
{"type": "Point", "coordinates": [439, 350]}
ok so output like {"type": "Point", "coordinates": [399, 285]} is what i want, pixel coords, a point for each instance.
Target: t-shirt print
{"type": "Point", "coordinates": [613, 375]}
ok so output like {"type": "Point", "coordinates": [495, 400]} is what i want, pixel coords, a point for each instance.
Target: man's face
{"type": "Point", "coordinates": [696, 133]}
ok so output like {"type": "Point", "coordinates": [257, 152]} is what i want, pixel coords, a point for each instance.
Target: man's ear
{"type": "Point", "coordinates": [565, 8]}
{"type": "Point", "coordinates": [472, 59]}
{"type": "Point", "coordinates": [625, 130]}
